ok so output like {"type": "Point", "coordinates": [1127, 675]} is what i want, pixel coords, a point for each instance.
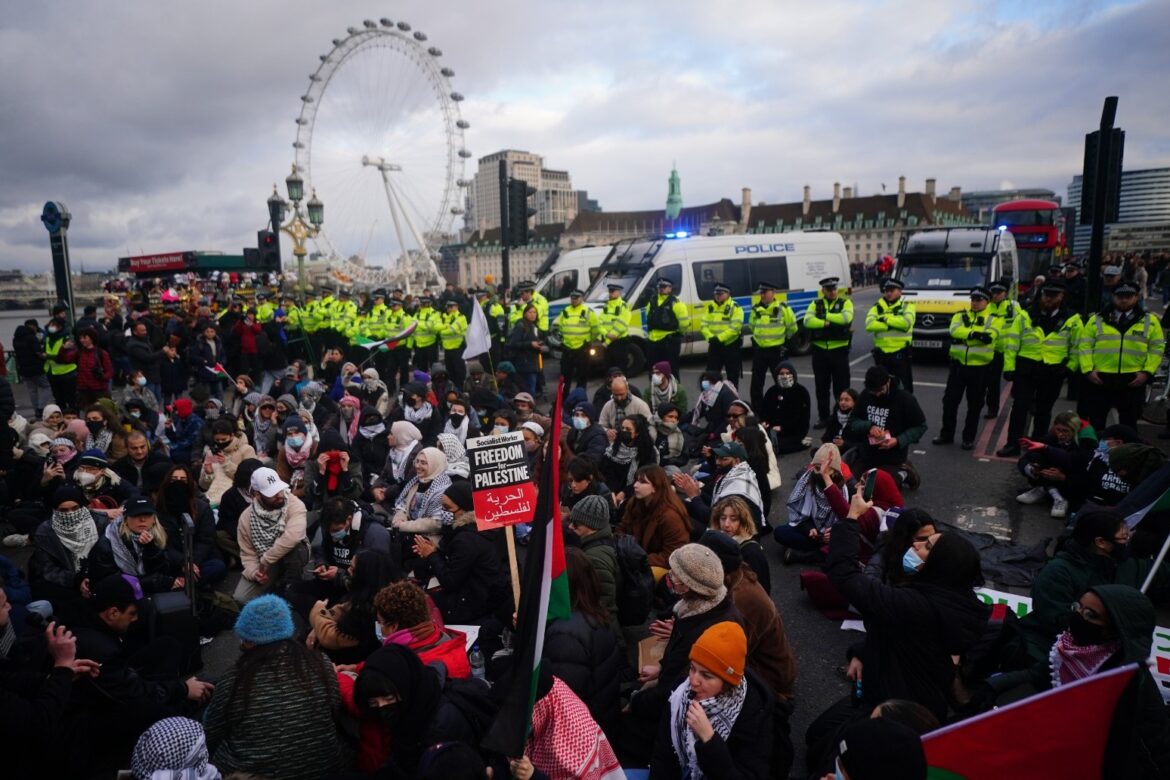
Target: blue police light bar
{"type": "Point", "coordinates": [668, 235]}
{"type": "Point", "coordinates": [1002, 228]}
{"type": "Point", "coordinates": [681, 234]}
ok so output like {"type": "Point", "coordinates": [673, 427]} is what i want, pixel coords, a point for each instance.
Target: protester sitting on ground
{"type": "Point", "coordinates": [221, 458]}
{"type": "Point", "coordinates": [696, 576]}
{"type": "Point", "coordinates": [61, 548]}
{"type": "Point", "coordinates": [583, 480]}
{"type": "Point", "coordinates": [589, 522]}
{"type": "Point", "coordinates": [458, 466]}
{"type": "Point", "coordinates": [890, 420]}
{"type": "Point", "coordinates": [418, 410]}
{"type": "Point", "coordinates": [586, 438]}
{"type": "Point", "coordinates": [135, 544]}
{"type": "Point", "coordinates": [183, 430]}
{"type": "Point", "coordinates": [473, 584]}
{"type": "Point", "coordinates": [419, 508]}
{"type": "Point", "coordinates": [769, 653]}
{"type": "Point", "coordinates": [665, 388]}
{"type": "Point", "coordinates": [1108, 626]}
{"type": "Point", "coordinates": [271, 536]}
{"type": "Point", "coordinates": [621, 405]}
{"type": "Point", "coordinates": [837, 427]}
{"type": "Point", "coordinates": [655, 517]}
{"type": "Point", "coordinates": [763, 463]}
{"type": "Point", "coordinates": [405, 617]}
{"type": "Point", "coordinates": [140, 456]}
{"type": "Point", "coordinates": [277, 687]}
{"type": "Point", "coordinates": [810, 513]}
{"type": "Point", "coordinates": [368, 444]}
{"type": "Point", "coordinates": [668, 437]}
{"type": "Point", "coordinates": [879, 747]}
{"type": "Point", "coordinates": [787, 410]}
{"type": "Point", "coordinates": [135, 390]}
{"type": "Point", "coordinates": [175, 498]}
{"type": "Point", "coordinates": [461, 420]}
{"type": "Point", "coordinates": [733, 476]}
{"type": "Point", "coordinates": [708, 418]}
{"type": "Point", "coordinates": [898, 556]}
{"type": "Point", "coordinates": [104, 432]}
{"type": "Point", "coordinates": [565, 742]}
{"type": "Point", "coordinates": [631, 449]}
{"type": "Point", "coordinates": [60, 469]}
{"type": "Point", "coordinates": [173, 747]}
{"type": "Point", "coordinates": [1049, 464]}
{"type": "Point", "coordinates": [293, 455]}
{"type": "Point", "coordinates": [406, 707]}
{"type": "Point", "coordinates": [720, 719]}
{"type": "Point", "coordinates": [1100, 485]}
{"type": "Point", "coordinates": [347, 528]}
{"type": "Point", "coordinates": [939, 600]}
{"type": "Point", "coordinates": [405, 443]}
{"type": "Point", "coordinates": [344, 628]}
{"type": "Point", "coordinates": [264, 432]}
{"type": "Point", "coordinates": [136, 686]}
{"type": "Point", "coordinates": [231, 505]}
{"type": "Point", "coordinates": [503, 421]}
{"type": "Point", "coordinates": [1097, 554]}
{"type": "Point", "coordinates": [95, 478]}
{"type": "Point", "coordinates": [733, 516]}
{"type": "Point", "coordinates": [332, 472]}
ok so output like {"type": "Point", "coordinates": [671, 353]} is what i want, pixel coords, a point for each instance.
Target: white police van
{"type": "Point", "coordinates": [563, 272]}
{"type": "Point", "coordinates": [793, 262]}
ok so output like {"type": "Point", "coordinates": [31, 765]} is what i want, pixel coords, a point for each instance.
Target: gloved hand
{"type": "Point", "coordinates": [985, 337]}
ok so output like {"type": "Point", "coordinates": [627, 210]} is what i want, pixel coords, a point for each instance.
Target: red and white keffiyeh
{"type": "Point", "coordinates": [566, 743]}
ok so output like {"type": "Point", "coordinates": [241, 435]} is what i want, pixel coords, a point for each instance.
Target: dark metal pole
{"type": "Point", "coordinates": [1101, 192]}
{"type": "Point", "coordinates": [505, 270]}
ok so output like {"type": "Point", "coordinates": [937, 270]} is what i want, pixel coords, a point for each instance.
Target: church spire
{"type": "Point", "coordinates": [674, 200]}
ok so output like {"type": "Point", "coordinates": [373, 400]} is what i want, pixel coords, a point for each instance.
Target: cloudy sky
{"type": "Point", "coordinates": [163, 126]}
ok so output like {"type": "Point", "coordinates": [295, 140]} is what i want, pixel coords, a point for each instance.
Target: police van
{"type": "Point", "coordinates": [794, 262]}
{"type": "Point", "coordinates": [938, 267]}
{"type": "Point", "coordinates": [563, 272]}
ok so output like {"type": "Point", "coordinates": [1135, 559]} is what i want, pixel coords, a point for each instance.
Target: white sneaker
{"type": "Point", "coordinates": [1033, 496]}
{"type": "Point", "coordinates": [16, 540]}
{"type": "Point", "coordinates": [1059, 508]}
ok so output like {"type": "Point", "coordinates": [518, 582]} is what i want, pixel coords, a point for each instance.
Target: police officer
{"type": "Point", "coordinates": [891, 321]}
{"type": "Point", "coordinates": [973, 335]}
{"type": "Point", "coordinates": [772, 323]}
{"type": "Point", "coordinates": [1006, 310]}
{"type": "Point", "coordinates": [1120, 349]}
{"type": "Point", "coordinates": [667, 319]}
{"type": "Point", "coordinates": [453, 330]}
{"type": "Point", "coordinates": [614, 325]}
{"type": "Point", "coordinates": [577, 324]}
{"type": "Point", "coordinates": [265, 309]}
{"type": "Point", "coordinates": [425, 338]}
{"type": "Point", "coordinates": [1076, 288]}
{"type": "Point", "coordinates": [1039, 354]}
{"type": "Point", "coordinates": [722, 328]}
{"type": "Point", "coordinates": [398, 363]}
{"type": "Point", "coordinates": [829, 321]}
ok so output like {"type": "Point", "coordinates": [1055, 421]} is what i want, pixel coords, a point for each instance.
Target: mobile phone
{"type": "Point", "coordinates": [870, 483]}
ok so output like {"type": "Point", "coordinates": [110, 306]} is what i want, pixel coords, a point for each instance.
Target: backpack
{"type": "Point", "coordinates": [635, 593]}
{"type": "Point", "coordinates": [662, 317]}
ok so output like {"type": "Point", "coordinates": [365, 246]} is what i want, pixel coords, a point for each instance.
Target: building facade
{"type": "Point", "coordinates": [1143, 213]}
{"type": "Point", "coordinates": [555, 200]}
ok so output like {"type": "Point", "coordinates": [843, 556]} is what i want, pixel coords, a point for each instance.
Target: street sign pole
{"type": "Point", "coordinates": [56, 218]}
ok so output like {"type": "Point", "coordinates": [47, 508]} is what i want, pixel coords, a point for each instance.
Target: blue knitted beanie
{"type": "Point", "coordinates": [265, 620]}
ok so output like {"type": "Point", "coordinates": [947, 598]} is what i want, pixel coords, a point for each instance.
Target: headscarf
{"type": "Point", "coordinates": [457, 462]}
{"type": "Point", "coordinates": [349, 431]}
{"type": "Point", "coordinates": [436, 463]}
{"type": "Point", "coordinates": [566, 743]}
{"type": "Point", "coordinates": [406, 435]}
{"type": "Point", "coordinates": [173, 749]}
{"type": "Point", "coordinates": [396, 669]}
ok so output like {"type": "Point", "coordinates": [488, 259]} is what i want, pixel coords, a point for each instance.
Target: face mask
{"type": "Point", "coordinates": [911, 563]}
{"type": "Point", "coordinates": [625, 437]}
{"type": "Point", "coordinates": [140, 381]}
{"type": "Point", "coordinates": [40, 449]}
{"type": "Point", "coordinates": [85, 479]}
{"type": "Point", "coordinates": [339, 536]}
{"type": "Point", "coordinates": [456, 420]}
{"type": "Point", "coordinates": [1120, 552]}
{"type": "Point", "coordinates": [705, 384]}
{"type": "Point", "coordinates": [670, 426]}
{"type": "Point", "coordinates": [378, 631]}
{"type": "Point", "coordinates": [580, 423]}
{"type": "Point", "coordinates": [135, 414]}
{"type": "Point", "coordinates": [211, 414]}
{"type": "Point", "coordinates": [787, 381]}
{"type": "Point", "coordinates": [499, 430]}
{"type": "Point", "coordinates": [1083, 632]}
{"type": "Point", "coordinates": [94, 426]}
{"type": "Point", "coordinates": [1102, 446]}
{"type": "Point", "coordinates": [389, 715]}
{"type": "Point", "coordinates": [370, 431]}
{"type": "Point", "coordinates": [530, 446]}
{"type": "Point", "coordinates": [52, 330]}
{"type": "Point", "coordinates": [656, 378]}
{"type": "Point", "coordinates": [296, 442]}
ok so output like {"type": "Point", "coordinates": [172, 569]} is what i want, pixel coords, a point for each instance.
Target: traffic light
{"type": "Point", "coordinates": [518, 211]}
{"type": "Point", "coordinates": [268, 245]}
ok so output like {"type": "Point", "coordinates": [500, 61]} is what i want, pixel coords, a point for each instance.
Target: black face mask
{"type": "Point", "coordinates": [1085, 633]}
{"type": "Point", "coordinates": [1120, 552]}
{"type": "Point", "coordinates": [626, 438]}
{"type": "Point", "coordinates": [95, 426]}
{"type": "Point", "coordinates": [177, 497]}
{"type": "Point", "coordinates": [456, 420]}
{"type": "Point", "coordinates": [390, 715]}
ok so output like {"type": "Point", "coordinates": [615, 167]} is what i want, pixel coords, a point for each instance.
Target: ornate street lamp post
{"type": "Point", "coordinates": [297, 228]}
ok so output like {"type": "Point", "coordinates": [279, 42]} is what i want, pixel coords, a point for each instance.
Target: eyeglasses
{"type": "Point", "coordinates": [1086, 612]}
{"type": "Point", "coordinates": [921, 539]}
{"type": "Point", "coordinates": [736, 416]}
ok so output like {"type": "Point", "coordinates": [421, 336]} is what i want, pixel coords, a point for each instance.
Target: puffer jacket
{"type": "Point", "coordinates": [586, 656]}
{"type": "Point", "coordinates": [219, 480]}
{"type": "Point", "coordinates": [474, 585]}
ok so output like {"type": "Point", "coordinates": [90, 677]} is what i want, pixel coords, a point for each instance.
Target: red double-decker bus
{"type": "Point", "coordinates": [1039, 230]}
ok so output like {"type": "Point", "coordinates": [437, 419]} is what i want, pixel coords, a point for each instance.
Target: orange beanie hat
{"type": "Point", "coordinates": [722, 649]}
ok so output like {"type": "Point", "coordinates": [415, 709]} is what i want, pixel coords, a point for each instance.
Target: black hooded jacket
{"type": "Point", "coordinates": [787, 410]}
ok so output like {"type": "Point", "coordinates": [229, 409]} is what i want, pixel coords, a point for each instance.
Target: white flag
{"type": "Point", "coordinates": [479, 339]}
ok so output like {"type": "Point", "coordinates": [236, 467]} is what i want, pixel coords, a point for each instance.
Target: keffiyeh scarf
{"type": "Point", "coordinates": [420, 415]}
{"type": "Point", "coordinates": [452, 447]}
{"type": "Point", "coordinates": [173, 749]}
{"type": "Point", "coordinates": [267, 525]}
{"type": "Point", "coordinates": [659, 396]}
{"type": "Point", "coordinates": [102, 442]}
{"type": "Point", "coordinates": [1071, 662]}
{"type": "Point", "coordinates": [566, 743]}
{"type": "Point", "coordinates": [805, 502]}
{"type": "Point", "coordinates": [76, 531]}
{"type": "Point", "coordinates": [126, 550]}
{"type": "Point", "coordinates": [722, 711]}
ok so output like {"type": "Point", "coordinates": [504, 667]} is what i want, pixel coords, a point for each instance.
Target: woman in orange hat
{"type": "Point", "coordinates": [720, 719]}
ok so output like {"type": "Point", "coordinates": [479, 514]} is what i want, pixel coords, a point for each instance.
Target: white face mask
{"type": "Point", "coordinates": [656, 378]}
{"type": "Point", "coordinates": [499, 430]}
{"type": "Point", "coordinates": [786, 381]}
{"type": "Point", "coordinates": [85, 479]}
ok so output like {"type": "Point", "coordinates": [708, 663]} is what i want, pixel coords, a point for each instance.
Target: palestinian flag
{"type": "Point", "coordinates": [219, 372]}
{"type": "Point", "coordinates": [544, 597]}
{"type": "Point", "coordinates": [1151, 495]}
{"type": "Point", "coordinates": [385, 345]}
{"type": "Point", "coordinates": [1065, 732]}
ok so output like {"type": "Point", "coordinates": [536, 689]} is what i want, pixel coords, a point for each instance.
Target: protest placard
{"type": "Point", "coordinates": [501, 483]}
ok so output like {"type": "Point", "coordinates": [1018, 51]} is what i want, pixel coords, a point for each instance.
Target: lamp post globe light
{"type": "Point", "coordinates": [297, 228]}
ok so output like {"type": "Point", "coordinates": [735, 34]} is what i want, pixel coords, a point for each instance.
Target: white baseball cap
{"type": "Point", "coordinates": [267, 483]}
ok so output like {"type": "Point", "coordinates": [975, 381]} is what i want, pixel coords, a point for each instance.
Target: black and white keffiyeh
{"type": "Point", "coordinates": [722, 711]}
{"type": "Point", "coordinates": [266, 525]}
{"type": "Point", "coordinates": [173, 749]}
{"type": "Point", "coordinates": [76, 531]}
